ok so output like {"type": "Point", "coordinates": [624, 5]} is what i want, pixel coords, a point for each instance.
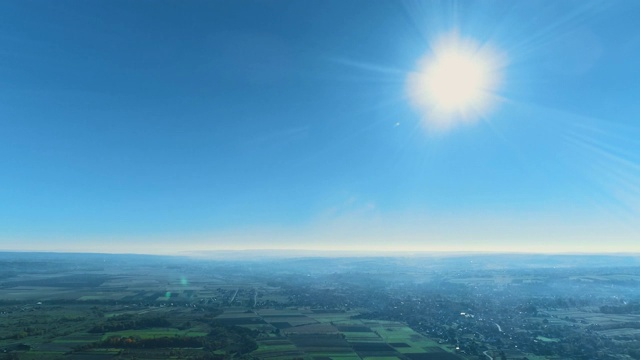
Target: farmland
{"type": "Point", "coordinates": [126, 307]}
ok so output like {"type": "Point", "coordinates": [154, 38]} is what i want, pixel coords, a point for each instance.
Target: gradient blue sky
{"type": "Point", "coordinates": [168, 126]}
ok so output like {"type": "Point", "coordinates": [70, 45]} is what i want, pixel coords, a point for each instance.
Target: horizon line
{"type": "Point", "coordinates": [293, 253]}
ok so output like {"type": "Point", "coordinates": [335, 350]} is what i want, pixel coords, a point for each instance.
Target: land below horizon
{"type": "Point", "coordinates": [489, 306]}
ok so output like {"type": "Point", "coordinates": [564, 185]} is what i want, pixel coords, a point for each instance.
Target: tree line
{"type": "Point", "coordinates": [130, 322]}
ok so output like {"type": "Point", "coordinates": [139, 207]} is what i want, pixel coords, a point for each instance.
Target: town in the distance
{"type": "Point", "coordinates": [412, 307]}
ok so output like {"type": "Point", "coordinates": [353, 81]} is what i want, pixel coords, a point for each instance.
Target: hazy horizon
{"type": "Point", "coordinates": [314, 253]}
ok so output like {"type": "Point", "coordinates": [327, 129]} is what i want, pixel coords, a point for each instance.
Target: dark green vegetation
{"type": "Point", "coordinates": [141, 307]}
{"type": "Point", "coordinates": [130, 322]}
{"type": "Point", "coordinates": [231, 340]}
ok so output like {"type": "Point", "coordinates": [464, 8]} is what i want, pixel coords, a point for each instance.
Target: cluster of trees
{"type": "Point", "coordinates": [153, 343]}
{"type": "Point", "coordinates": [619, 325]}
{"type": "Point", "coordinates": [130, 322]}
{"type": "Point", "coordinates": [529, 309]}
{"type": "Point", "coordinates": [27, 331]}
{"type": "Point", "coordinates": [231, 339]}
{"type": "Point", "coordinates": [630, 308]}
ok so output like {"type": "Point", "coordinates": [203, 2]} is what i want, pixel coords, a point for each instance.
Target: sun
{"type": "Point", "coordinates": [456, 82]}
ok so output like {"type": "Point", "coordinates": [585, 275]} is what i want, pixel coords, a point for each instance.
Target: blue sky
{"type": "Point", "coordinates": [168, 126]}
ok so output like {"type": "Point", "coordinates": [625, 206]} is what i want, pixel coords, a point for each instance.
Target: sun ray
{"type": "Point", "coordinates": [369, 66]}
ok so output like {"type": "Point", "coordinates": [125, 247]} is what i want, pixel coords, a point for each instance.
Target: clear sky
{"type": "Point", "coordinates": [168, 126]}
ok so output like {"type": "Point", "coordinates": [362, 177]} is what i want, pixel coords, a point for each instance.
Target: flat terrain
{"type": "Point", "coordinates": [126, 307]}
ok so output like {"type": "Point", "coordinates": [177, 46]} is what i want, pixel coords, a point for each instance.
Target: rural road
{"type": "Point", "coordinates": [487, 355]}
{"type": "Point", "coordinates": [236, 293]}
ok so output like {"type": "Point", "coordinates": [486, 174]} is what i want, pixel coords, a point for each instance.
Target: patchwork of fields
{"type": "Point", "coordinates": [51, 317]}
{"type": "Point", "coordinates": [322, 335]}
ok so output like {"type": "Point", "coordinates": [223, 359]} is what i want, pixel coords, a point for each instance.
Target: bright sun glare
{"type": "Point", "coordinates": [455, 83]}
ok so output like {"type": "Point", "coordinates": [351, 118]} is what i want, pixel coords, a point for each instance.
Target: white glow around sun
{"type": "Point", "coordinates": [456, 82]}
